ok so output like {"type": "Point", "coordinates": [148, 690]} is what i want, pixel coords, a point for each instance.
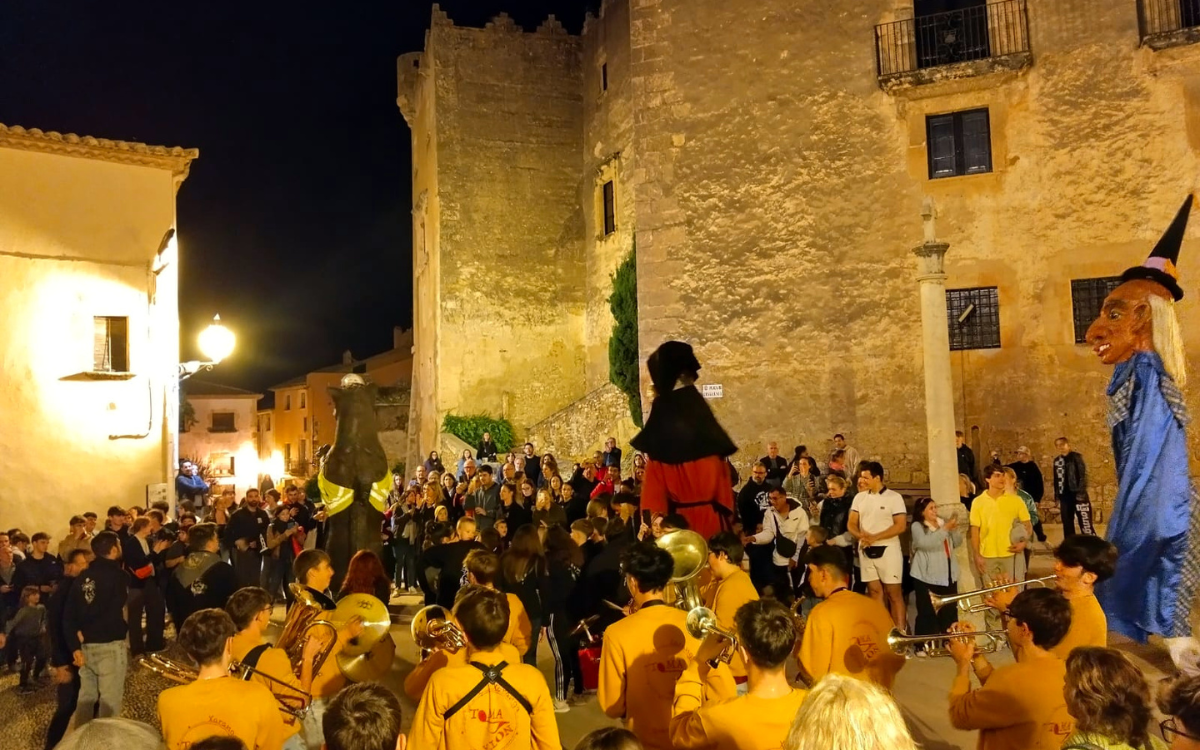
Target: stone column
{"type": "Point", "coordinates": [939, 389]}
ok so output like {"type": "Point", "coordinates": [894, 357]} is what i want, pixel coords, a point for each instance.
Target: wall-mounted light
{"type": "Point", "coordinates": [216, 343]}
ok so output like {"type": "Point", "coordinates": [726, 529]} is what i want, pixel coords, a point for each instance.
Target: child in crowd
{"type": "Point", "coordinates": [27, 630]}
{"type": "Point", "coordinates": [817, 536]}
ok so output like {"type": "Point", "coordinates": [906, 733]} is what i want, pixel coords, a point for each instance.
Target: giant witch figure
{"type": "Point", "coordinates": [685, 446]}
{"type": "Point", "coordinates": [354, 478]}
{"type": "Point", "coordinates": [1155, 521]}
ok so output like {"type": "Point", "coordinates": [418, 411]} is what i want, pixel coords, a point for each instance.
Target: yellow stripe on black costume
{"type": "Point", "coordinates": [338, 498]}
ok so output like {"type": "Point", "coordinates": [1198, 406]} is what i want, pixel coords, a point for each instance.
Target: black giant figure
{"type": "Point", "coordinates": [354, 478]}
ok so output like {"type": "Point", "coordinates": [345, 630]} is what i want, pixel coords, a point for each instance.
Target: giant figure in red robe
{"type": "Point", "coordinates": [686, 448]}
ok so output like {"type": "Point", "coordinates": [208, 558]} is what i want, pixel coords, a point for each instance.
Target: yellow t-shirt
{"type": "Point", "coordinates": [746, 722]}
{"type": "Point", "coordinates": [724, 599]}
{"type": "Point", "coordinates": [417, 680]}
{"type": "Point", "coordinates": [847, 634]}
{"type": "Point", "coordinates": [995, 517]}
{"type": "Point", "coordinates": [273, 662]}
{"type": "Point", "coordinates": [643, 656]}
{"type": "Point", "coordinates": [224, 707]}
{"type": "Point", "coordinates": [493, 719]}
{"type": "Point", "coordinates": [1020, 707]}
{"type": "Point", "coordinates": [520, 629]}
{"type": "Point", "coordinates": [1089, 627]}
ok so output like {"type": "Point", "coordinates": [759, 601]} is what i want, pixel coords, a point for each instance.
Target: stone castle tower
{"type": "Point", "coordinates": [772, 157]}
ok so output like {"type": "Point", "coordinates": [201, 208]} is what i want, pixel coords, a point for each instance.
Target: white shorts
{"type": "Point", "coordinates": [888, 569]}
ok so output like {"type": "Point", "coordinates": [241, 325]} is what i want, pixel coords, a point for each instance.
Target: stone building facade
{"type": "Point", "coordinates": [772, 158]}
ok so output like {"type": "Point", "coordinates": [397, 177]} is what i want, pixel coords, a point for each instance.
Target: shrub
{"type": "Point", "coordinates": [470, 430]}
{"type": "Point", "coordinates": [623, 344]}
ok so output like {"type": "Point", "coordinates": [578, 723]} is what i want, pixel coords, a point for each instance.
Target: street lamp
{"type": "Point", "coordinates": [216, 343]}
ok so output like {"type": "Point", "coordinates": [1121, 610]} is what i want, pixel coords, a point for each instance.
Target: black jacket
{"type": "Point", "coordinates": [1074, 474]}
{"type": "Point", "coordinates": [247, 524]}
{"type": "Point", "coordinates": [516, 516]}
{"type": "Point", "coordinates": [1030, 477]}
{"type": "Point", "coordinates": [777, 469]}
{"type": "Point", "coordinates": [56, 606]}
{"type": "Point", "coordinates": [201, 581]}
{"type": "Point", "coordinates": [34, 572]}
{"type": "Point", "coordinates": [135, 558]}
{"type": "Point", "coordinates": [487, 452]}
{"type": "Point", "coordinates": [752, 505]}
{"type": "Point", "coordinates": [966, 463]}
{"type": "Point", "coordinates": [96, 605]}
{"type": "Point", "coordinates": [449, 558]}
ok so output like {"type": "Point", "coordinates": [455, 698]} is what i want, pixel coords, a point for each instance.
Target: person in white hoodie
{"type": "Point", "coordinates": [784, 525]}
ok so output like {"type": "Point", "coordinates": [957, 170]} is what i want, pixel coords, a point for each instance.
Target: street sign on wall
{"type": "Point", "coordinates": [712, 390]}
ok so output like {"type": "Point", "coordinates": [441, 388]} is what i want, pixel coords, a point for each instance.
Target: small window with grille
{"type": "Point", "coordinates": [974, 318]}
{"type": "Point", "coordinates": [1087, 297]}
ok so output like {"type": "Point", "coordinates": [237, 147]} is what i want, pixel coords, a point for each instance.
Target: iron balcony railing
{"type": "Point", "coordinates": [1160, 20]}
{"type": "Point", "coordinates": [976, 33]}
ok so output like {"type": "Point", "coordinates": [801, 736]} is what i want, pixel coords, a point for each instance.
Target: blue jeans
{"type": "Point", "coordinates": [101, 680]}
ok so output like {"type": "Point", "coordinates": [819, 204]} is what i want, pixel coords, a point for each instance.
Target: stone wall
{"type": "Point", "coordinates": [503, 284]}
{"type": "Point", "coordinates": [579, 430]}
{"type": "Point", "coordinates": [778, 196]}
{"type": "Point", "coordinates": [775, 189]}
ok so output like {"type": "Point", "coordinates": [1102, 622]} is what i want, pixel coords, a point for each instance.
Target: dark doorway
{"type": "Point", "coordinates": [1189, 13]}
{"type": "Point", "coordinates": [950, 31]}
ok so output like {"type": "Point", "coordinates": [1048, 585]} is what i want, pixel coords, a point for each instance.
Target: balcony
{"type": "Point", "coordinates": [957, 44]}
{"type": "Point", "coordinates": [1169, 23]}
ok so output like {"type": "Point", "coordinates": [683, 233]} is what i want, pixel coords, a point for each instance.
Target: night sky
{"type": "Point", "coordinates": [295, 222]}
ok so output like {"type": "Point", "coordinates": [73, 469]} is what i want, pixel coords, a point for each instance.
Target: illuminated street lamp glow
{"type": "Point", "coordinates": [216, 341]}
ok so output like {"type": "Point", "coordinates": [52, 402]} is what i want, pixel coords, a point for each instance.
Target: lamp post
{"type": "Point", "coordinates": [216, 343]}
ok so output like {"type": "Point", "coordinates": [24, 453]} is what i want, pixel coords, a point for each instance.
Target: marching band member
{"type": "Point", "coordinates": [1020, 706]}
{"type": "Point", "coordinates": [418, 679]}
{"type": "Point", "coordinates": [491, 701]}
{"type": "Point", "coordinates": [216, 703]}
{"type": "Point", "coordinates": [645, 653]}
{"type": "Point", "coordinates": [1080, 562]}
{"type": "Point", "coordinates": [731, 588]}
{"type": "Point", "coordinates": [250, 610]}
{"type": "Point", "coordinates": [847, 632]}
{"type": "Point", "coordinates": [482, 569]}
{"type": "Point", "coordinates": [766, 636]}
{"type": "Point", "coordinates": [314, 571]}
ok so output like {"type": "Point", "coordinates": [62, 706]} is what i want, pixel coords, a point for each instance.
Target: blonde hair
{"type": "Point", "coordinates": [1168, 341]}
{"type": "Point", "coordinates": [842, 713]}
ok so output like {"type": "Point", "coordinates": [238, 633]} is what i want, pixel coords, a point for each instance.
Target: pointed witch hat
{"type": "Point", "coordinates": [1160, 267]}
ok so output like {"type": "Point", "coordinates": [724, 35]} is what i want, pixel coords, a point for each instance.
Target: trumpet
{"type": "Point", "coordinates": [964, 600]}
{"type": "Point", "coordinates": [906, 645]}
{"type": "Point", "coordinates": [701, 622]}
{"type": "Point", "coordinates": [292, 700]}
{"type": "Point", "coordinates": [432, 630]}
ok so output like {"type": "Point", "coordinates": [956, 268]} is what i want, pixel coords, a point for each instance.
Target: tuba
{"type": "Point", "coordinates": [363, 659]}
{"type": "Point", "coordinates": [432, 630]}
{"type": "Point", "coordinates": [690, 553]}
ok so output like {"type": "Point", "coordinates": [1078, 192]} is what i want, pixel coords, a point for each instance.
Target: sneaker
{"type": "Point", "coordinates": [578, 699]}
{"type": "Point", "coordinates": [561, 706]}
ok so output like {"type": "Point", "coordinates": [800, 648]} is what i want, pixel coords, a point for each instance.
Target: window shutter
{"type": "Point", "coordinates": [941, 146]}
{"type": "Point", "coordinates": [977, 142]}
{"type": "Point", "coordinates": [101, 361]}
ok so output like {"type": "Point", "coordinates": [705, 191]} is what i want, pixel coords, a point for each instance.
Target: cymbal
{"type": "Point", "coordinates": [370, 665]}
{"type": "Point", "coordinates": [376, 621]}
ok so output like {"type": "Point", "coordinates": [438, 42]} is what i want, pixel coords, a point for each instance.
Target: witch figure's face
{"type": "Point", "coordinates": [1124, 326]}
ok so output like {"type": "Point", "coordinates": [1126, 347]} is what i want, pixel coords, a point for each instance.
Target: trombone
{"type": "Point", "coordinates": [292, 700]}
{"type": "Point", "coordinates": [906, 645]}
{"type": "Point", "coordinates": [701, 622]}
{"type": "Point", "coordinates": [964, 600]}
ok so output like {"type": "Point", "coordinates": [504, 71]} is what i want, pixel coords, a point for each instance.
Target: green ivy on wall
{"type": "Point", "coordinates": [470, 429]}
{"type": "Point", "coordinates": [623, 344]}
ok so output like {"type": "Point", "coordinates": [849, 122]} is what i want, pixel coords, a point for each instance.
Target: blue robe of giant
{"type": "Point", "coordinates": [1155, 516]}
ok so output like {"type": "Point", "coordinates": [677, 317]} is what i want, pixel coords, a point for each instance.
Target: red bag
{"type": "Point", "coordinates": [144, 572]}
{"type": "Point", "coordinates": [589, 659]}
